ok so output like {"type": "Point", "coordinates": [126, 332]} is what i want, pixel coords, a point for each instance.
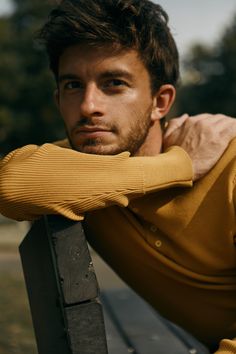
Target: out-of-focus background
{"type": "Point", "coordinates": [205, 32]}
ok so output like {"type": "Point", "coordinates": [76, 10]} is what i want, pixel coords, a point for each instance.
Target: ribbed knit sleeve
{"type": "Point", "coordinates": [227, 347]}
{"type": "Point", "coordinates": [53, 180]}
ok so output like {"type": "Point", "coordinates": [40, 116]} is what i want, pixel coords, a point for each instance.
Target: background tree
{"type": "Point", "coordinates": [27, 112]}
{"type": "Point", "coordinates": [209, 80]}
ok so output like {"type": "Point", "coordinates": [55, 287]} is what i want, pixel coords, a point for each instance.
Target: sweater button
{"type": "Point", "coordinates": [158, 243]}
{"type": "Point", "coordinates": [153, 228]}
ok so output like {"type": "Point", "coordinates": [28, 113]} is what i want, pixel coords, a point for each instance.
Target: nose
{"type": "Point", "coordinates": [92, 103]}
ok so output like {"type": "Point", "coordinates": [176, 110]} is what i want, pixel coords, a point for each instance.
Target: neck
{"type": "Point", "coordinates": [152, 145]}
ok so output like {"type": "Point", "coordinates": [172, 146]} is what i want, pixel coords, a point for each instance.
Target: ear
{"type": "Point", "coordinates": [162, 101]}
{"type": "Point", "coordinates": [57, 98]}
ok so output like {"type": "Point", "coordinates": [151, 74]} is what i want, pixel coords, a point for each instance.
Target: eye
{"type": "Point", "coordinates": [73, 85]}
{"type": "Point", "coordinates": [115, 83]}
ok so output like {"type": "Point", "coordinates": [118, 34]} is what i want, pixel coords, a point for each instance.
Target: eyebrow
{"type": "Point", "coordinates": [106, 75]}
{"type": "Point", "coordinates": [65, 77]}
{"type": "Point", "coordinates": [116, 73]}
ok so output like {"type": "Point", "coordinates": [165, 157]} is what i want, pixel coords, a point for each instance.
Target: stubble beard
{"type": "Point", "coordinates": [131, 141]}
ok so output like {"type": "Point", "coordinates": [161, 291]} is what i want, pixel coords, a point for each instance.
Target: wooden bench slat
{"type": "Point", "coordinates": [115, 342]}
{"type": "Point", "coordinates": [43, 291]}
{"type": "Point", "coordinates": [73, 261]}
{"type": "Point", "coordinates": [140, 324]}
{"type": "Point", "coordinates": [85, 328]}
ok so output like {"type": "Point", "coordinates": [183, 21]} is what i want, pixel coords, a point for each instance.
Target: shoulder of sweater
{"type": "Point", "coordinates": [230, 152]}
{"type": "Point", "coordinates": [62, 143]}
{"type": "Point", "coordinates": [228, 161]}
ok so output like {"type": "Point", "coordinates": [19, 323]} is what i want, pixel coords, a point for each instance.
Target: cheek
{"type": "Point", "coordinates": [140, 109]}
{"type": "Point", "coordinates": [128, 113]}
{"type": "Point", "coordinates": [69, 112]}
{"type": "Point", "coordinates": [139, 100]}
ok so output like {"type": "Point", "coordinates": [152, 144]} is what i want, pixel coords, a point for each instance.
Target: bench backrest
{"type": "Point", "coordinates": [62, 288]}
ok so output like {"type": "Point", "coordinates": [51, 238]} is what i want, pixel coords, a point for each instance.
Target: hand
{"type": "Point", "coordinates": [204, 137]}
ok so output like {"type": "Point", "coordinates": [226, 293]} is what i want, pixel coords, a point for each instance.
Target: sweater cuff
{"type": "Point", "coordinates": [173, 168]}
{"type": "Point", "coordinates": [227, 346]}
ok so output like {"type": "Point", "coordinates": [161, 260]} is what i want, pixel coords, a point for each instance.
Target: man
{"type": "Point", "coordinates": [116, 67]}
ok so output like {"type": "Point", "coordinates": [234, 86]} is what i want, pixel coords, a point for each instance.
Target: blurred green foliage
{"type": "Point", "coordinates": [209, 80]}
{"type": "Point", "coordinates": [27, 111]}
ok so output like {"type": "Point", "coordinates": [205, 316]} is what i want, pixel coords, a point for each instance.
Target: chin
{"type": "Point", "coordinates": [98, 150]}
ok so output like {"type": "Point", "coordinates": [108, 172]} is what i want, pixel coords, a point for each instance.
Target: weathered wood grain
{"type": "Point", "coordinates": [43, 293]}
{"type": "Point", "coordinates": [72, 261]}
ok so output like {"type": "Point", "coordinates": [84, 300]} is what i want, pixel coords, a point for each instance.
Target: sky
{"type": "Point", "coordinates": [190, 20]}
{"type": "Point", "coordinates": [198, 20]}
{"type": "Point", "coordinates": [5, 6]}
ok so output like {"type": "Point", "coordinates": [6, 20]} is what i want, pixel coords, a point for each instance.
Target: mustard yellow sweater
{"type": "Point", "coordinates": [172, 241]}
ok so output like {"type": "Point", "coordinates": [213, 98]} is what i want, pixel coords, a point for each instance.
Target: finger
{"type": "Point", "coordinates": [174, 124]}
{"type": "Point", "coordinates": [217, 125]}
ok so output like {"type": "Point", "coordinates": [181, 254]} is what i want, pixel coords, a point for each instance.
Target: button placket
{"type": "Point", "coordinates": [152, 238]}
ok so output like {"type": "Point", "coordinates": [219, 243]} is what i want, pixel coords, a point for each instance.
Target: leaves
{"type": "Point", "coordinates": [27, 110]}
{"type": "Point", "coordinates": [209, 82]}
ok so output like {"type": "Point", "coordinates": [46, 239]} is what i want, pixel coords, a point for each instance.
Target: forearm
{"type": "Point", "coordinates": [49, 180]}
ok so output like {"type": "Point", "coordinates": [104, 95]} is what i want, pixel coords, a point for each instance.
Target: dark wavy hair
{"type": "Point", "coordinates": [137, 24]}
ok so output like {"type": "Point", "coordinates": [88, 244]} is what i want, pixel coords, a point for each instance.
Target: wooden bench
{"type": "Point", "coordinates": [68, 314]}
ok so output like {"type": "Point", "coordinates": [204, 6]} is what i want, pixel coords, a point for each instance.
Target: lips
{"type": "Point", "coordinates": [92, 129]}
{"type": "Point", "coordinates": [91, 132]}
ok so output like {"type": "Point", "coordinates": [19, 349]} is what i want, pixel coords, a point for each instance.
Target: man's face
{"type": "Point", "coordinates": [105, 99]}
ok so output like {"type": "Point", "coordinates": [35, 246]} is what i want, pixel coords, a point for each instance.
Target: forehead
{"type": "Point", "coordinates": [91, 60]}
